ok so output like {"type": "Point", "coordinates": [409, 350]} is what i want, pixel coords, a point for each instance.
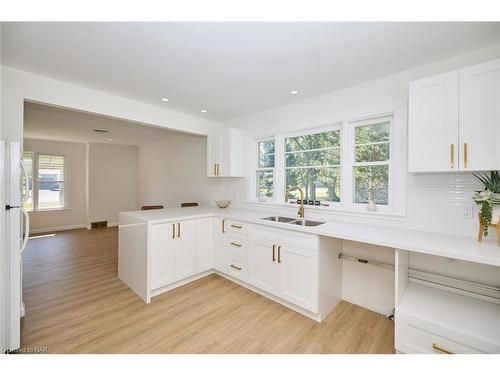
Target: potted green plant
{"type": "Point", "coordinates": [488, 198]}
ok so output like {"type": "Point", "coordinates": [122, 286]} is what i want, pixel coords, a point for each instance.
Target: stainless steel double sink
{"type": "Point", "coordinates": [288, 220]}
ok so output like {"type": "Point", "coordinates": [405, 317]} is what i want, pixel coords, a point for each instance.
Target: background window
{"type": "Point", "coordinates": [371, 163]}
{"type": "Point", "coordinates": [265, 169]}
{"type": "Point", "coordinates": [312, 162]}
{"type": "Point", "coordinates": [47, 181]}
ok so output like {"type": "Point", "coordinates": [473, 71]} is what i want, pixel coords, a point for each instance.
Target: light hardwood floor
{"type": "Point", "coordinates": [75, 303]}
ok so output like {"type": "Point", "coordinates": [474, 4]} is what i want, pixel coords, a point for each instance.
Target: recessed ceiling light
{"type": "Point", "coordinates": [110, 139]}
{"type": "Point", "coordinates": [294, 92]}
{"type": "Point", "coordinates": [164, 99]}
{"type": "Point", "coordinates": [203, 111]}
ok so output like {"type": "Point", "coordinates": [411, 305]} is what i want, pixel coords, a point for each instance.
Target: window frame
{"type": "Point", "coordinates": [258, 169]}
{"type": "Point", "coordinates": [311, 131]}
{"type": "Point", "coordinates": [347, 164]}
{"type": "Point", "coordinates": [351, 126]}
{"type": "Point", "coordinates": [34, 182]}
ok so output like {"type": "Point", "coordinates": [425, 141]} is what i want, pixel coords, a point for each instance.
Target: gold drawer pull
{"type": "Point", "coordinates": [466, 158]}
{"type": "Point", "coordinates": [236, 244]}
{"type": "Point", "coordinates": [173, 230]}
{"type": "Point", "coordinates": [439, 349]}
{"type": "Point", "coordinates": [279, 254]}
{"type": "Point", "coordinates": [223, 226]}
{"type": "Point", "coordinates": [178, 229]}
{"type": "Point", "coordinates": [274, 253]}
{"type": "Point", "coordinates": [452, 156]}
{"type": "Point", "coordinates": [236, 226]}
{"type": "Point", "coordinates": [235, 267]}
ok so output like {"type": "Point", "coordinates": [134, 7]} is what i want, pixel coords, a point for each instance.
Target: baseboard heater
{"type": "Point", "coordinates": [99, 224]}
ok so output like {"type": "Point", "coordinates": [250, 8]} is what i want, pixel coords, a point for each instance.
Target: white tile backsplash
{"type": "Point", "coordinates": [436, 202]}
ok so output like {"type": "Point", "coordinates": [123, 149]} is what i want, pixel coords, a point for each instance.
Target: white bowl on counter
{"type": "Point", "coordinates": [222, 203]}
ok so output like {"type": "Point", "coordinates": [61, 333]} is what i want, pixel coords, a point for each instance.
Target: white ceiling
{"type": "Point", "coordinates": [232, 69]}
{"type": "Point", "coordinates": [51, 123]}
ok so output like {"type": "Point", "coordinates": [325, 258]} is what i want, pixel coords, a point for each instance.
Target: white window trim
{"type": "Point", "coordinates": [34, 189]}
{"type": "Point", "coordinates": [351, 161]}
{"type": "Point", "coordinates": [256, 168]}
{"type": "Point", "coordinates": [282, 169]}
{"type": "Point", "coordinates": [347, 162]}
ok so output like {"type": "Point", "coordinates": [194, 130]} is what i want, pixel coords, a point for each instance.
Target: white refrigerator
{"type": "Point", "coordinates": [13, 237]}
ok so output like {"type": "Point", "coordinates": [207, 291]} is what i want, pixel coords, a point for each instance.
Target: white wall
{"type": "Point", "coordinates": [173, 170]}
{"type": "Point", "coordinates": [19, 86]}
{"type": "Point", "coordinates": [112, 181]}
{"type": "Point", "coordinates": [74, 215]}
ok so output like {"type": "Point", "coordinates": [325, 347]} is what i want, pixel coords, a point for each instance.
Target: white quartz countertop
{"type": "Point", "coordinates": [446, 245]}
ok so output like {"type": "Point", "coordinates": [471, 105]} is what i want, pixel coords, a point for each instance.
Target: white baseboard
{"type": "Point", "coordinates": [56, 229]}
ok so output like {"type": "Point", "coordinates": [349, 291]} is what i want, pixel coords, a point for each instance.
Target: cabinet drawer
{"type": "Point", "coordinates": [237, 269]}
{"type": "Point", "coordinates": [421, 341]}
{"type": "Point", "coordinates": [237, 248]}
{"type": "Point", "coordinates": [414, 336]}
{"type": "Point", "coordinates": [236, 227]}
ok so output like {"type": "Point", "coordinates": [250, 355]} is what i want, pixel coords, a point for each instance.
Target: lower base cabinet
{"type": "Point", "coordinates": [284, 270]}
{"type": "Point", "coordinates": [180, 250]}
{"type": "Point", "coordinates": [298, 276]}
{"type": "Point", "coordinates": [280, 263]}
{"type": "Point", "coordinates": [263, 264]}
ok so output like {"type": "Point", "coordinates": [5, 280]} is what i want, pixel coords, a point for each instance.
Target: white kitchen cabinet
{"type": "Point", "coordinates": [204, 244]}
{"type": "Point", "coordinates": [480, 116]}
{"type": "Point", "coordinates": [162, 254]}
{"type": "Point", "coordinates": [213, 154]}
{"type": "Point", "coordinates": [454, 120]}
{"type": "Point", "coordinates": [173, 252]}
{"type": "Point", "coordinates": [279, 267]}
{"type": "Point", "coordinates": [433, 124]}
{"type": "Point", "coordinates": [225, 152]}
{"type": "Point", "coordinates": [298, 276]}
{"type": "Point", "coordinates": [185, 249]}
{"type": "Point", "coordinates": [220, 234]}
{"type": "Point", "coordinates": [263, 257]}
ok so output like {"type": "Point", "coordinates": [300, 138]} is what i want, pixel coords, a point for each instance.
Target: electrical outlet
{"type": "Point", "coordinates": [468, 211]}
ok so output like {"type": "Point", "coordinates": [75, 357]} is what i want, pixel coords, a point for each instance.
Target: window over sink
{"type": "Point", "coordinates": [345, 165]}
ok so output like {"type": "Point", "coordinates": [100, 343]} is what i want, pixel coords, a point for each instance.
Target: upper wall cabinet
{"type": "Point", "coordinates": [454, 120]}
{"type": "Point", "coordinates": [479, 121]}
{"type": "Point", "coordinates": [225, 153]}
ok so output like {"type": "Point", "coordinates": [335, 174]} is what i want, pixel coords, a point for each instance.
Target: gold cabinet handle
{"type": "Point", "coordinates": [452, 156]}
{"type": "Point", "coordinates": [466, 158]}
{"type": "Point", "coordinates": [236, 244]}
{"type": "Point", "coordinates": [173, 230]}
{"type": "Point", "coordinates": [279, 254]}
{"type": "Point", "coordinates": [439, 349]}
{"type": "Point", "coordinates": [218, 170]}
{"type": "Point", "coordinates": [274, 253]}
{"type": "Point", "coordinates": [235, 267]}
{"type": "Point", "coordinates": [236, 226]}
{"type": "Point", "coordinates": [178, 229]}
{"type": "Point", "coordinates": [215, 169]}
{"type": "Point", "coordinates": [223, 226]}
